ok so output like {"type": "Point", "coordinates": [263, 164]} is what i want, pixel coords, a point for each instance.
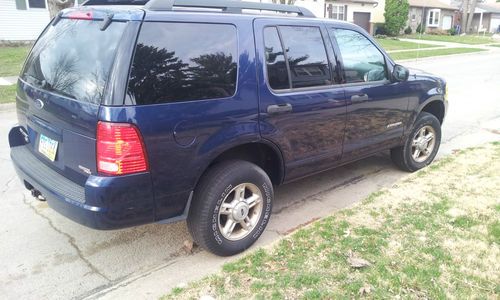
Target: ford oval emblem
{"type": "Point", "coordinates": [39, 104]}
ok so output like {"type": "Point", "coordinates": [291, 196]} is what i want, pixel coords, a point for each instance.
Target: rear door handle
{"type": "Point", "coordinates": [279, 109]}
{"type": "Point", "coordinates": [359, 98]}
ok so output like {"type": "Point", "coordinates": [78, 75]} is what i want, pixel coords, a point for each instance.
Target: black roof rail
{"type": "Point", "coordinates": [227, 6]}
{"type": "Point", "coordinates": [114, 2]}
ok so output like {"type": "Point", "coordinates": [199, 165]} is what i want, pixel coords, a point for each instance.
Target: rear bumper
{"type": "Point", "coordinates": [103, 203]}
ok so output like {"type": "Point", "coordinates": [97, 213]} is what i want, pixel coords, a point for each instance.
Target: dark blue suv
{"type": "Point", "coordinates": [170, 110]}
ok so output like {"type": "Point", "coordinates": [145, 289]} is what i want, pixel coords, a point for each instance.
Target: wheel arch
{"type": "Point", "coordinates": [263, 153]}
{"type": "Point", "coordinates": [435, 107]}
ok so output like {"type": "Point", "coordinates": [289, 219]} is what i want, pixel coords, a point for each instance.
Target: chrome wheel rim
{"type": "Point", "coordinates": [240, 211]}
{"type": "Point", "coordinates": [423, 144]}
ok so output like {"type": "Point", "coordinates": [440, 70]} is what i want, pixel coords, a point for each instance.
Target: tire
{"type": "Point", "coordinates": [405, 156]}
{"type": "Point", "coordinates": [223, 196]}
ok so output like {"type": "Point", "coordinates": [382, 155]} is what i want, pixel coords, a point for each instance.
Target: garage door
{"type": "Point", "coordinates": [362, 19]}
{"type": "Point", "coordinates": [495, 23]}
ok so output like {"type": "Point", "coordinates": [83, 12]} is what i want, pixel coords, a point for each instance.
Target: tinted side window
{"type": "Point", "coordinates": [277, 71]}
{"type": "Point", "coordinates": [306, 54]}
{"type": "Point", "coordinates": [363, 62]}
{"type": "Point", "coordinates": [183, 61]}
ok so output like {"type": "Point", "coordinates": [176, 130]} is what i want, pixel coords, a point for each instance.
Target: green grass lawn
{"type": "Point", "coordinates": [429, 53]}
{"type": "Point", "coordinates": [390, 44]}
{"type": "Point", "coordinates": [433, 235]}
{"type": "Point", "coordinates": [11, 60]}
{"type": "Point", "coordinates": [494, 45]}
{"type": "Point", "coordinates": [7, 93]}
{"type": "Point", "coordinates": [466, 39]}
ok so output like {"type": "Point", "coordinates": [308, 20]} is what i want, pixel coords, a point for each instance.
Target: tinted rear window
{"type": "Point", "coordinates": [183, 61]}
{"type": "Point", "coordinates": [74, 59]}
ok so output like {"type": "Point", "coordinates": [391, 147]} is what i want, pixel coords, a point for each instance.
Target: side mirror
{"type": "Point", "coordinates": [400, 73]}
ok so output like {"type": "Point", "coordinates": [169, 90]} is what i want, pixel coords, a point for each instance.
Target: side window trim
{"type": "Point", "coordinates": [341, 59]}
{"type": "Point", "coordinates": [333, 56]}
{"type": "Point", "coordinates": [291, 89]}
{"type": "Point", "coordinates": [285, 55]}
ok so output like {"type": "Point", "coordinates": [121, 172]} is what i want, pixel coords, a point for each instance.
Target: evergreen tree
{"type": "Point", "coordinates": [396, 15]}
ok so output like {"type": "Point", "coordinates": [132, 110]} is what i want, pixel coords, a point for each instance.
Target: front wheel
{"type": "Point", "coordinates": [421, 146]}
{"type": "Point", "coordinates": [231, 207]}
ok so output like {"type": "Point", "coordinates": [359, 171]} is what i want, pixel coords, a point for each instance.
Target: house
{"type": "Point", "coordinates": [364, 13]}
{"type": "Point", "coordinates": [22, 20]}
{"type": "Point", "coordinates": [432, 14]}
{"type": "Point", "coordinates": [486, 18]}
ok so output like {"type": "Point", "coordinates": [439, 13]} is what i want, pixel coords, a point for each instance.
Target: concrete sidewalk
{"type": "Point", "coordinates": [10, 80]}
{"type": "Point", "coordinates": [446, 44]}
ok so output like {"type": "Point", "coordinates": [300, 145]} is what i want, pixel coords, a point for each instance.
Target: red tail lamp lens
{"type": "Point", "coordinates": [120, 149]}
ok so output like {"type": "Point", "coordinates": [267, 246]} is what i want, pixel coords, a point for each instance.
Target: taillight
{"type": "Point", "coordinates": [120, 149]}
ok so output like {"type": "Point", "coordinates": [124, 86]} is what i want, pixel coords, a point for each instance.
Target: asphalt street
{"type": "Point", "coordinates": [44, 255]}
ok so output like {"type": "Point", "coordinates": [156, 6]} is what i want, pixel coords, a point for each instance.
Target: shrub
{"type": "Point", "coordinates": [420, 28]}
{"type": "Point", "coordinates": [396, 16]}
{"type": "Point", "coordinates": [408, 30]}
{"type": "Point", "coordinates": [380, 29]}
{"type": "Point", "coordinates": [438, 32]}
{"type": "Point", "coordinates": [453, 31]}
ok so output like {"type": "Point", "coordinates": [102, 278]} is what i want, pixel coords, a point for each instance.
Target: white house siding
{"type": "Point", "coordinates": [21, 25]}
{"type": "Point", "coordinates": [317, 7]}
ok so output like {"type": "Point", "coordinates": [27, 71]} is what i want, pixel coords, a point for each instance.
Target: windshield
{"type": "Point", "coordinates": [74, 59]}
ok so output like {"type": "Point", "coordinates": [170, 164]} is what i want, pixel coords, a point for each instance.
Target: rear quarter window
{"type": "Point", "coordinates": [176, 62]}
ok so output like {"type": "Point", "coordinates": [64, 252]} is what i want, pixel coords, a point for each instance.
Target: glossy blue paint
{"type": "Point", "coordinates": [324, 129]}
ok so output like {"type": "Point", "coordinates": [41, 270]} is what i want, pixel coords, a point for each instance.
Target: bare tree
{"type": "Point", "coordinates": [57, 5]}
{"type": "Point", "coordinates": [471, 15]}
{"type": "Point", "coordinates": [465, 10]}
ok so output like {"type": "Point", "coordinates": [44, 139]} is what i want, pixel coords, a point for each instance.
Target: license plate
{"type": "Point", "coordinates": [48, 147]}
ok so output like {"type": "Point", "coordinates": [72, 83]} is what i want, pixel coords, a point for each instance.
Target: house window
{"type": "Point", "coordinates": [36, 4]}
{"type": "Point", "coordinates": [30, 4]}
{"type": "Point", "coordinates": [413, 17]}
{"type": "Point", "coordinates": [336, 12]}
{"type": "Point", "coordinates": [433, 18]}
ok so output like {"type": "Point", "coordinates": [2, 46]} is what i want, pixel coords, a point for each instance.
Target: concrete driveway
{"type": "Point", "coordinates": [43, 255]}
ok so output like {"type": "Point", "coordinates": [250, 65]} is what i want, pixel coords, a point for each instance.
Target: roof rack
{"type": "Point", "coordinates": [226, 6]}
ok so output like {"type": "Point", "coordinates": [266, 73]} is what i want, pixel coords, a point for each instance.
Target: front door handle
{"type": "Point", "coordinates": [279, 109]}
{"type": "Point", "coordinates": [359, 98]}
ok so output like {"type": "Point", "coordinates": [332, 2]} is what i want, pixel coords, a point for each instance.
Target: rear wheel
{"type": "Point", "coordinates": [231, 207]}
{"type": "Point", "coordinates": [421, 146]}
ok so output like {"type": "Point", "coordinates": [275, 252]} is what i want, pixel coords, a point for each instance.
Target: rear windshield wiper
{"type": "Point", "coordinates": [33, 80]}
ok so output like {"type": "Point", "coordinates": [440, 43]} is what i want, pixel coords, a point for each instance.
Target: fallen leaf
{"type": "Point", "coordinates": [188, 246]}
{"type": "Point", "coordinates": [365, 290]}
{"type": "Point", "coordinates": [356, 262]}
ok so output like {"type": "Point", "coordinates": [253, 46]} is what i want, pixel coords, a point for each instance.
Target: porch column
{"type": "Point", "coordinates": [480, 26]}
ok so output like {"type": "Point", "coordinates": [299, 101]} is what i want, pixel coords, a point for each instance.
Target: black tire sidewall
{"type": "Point", "coordinates": [242, 172]}
{"type": "Point", "coordinates": [424, 119]}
